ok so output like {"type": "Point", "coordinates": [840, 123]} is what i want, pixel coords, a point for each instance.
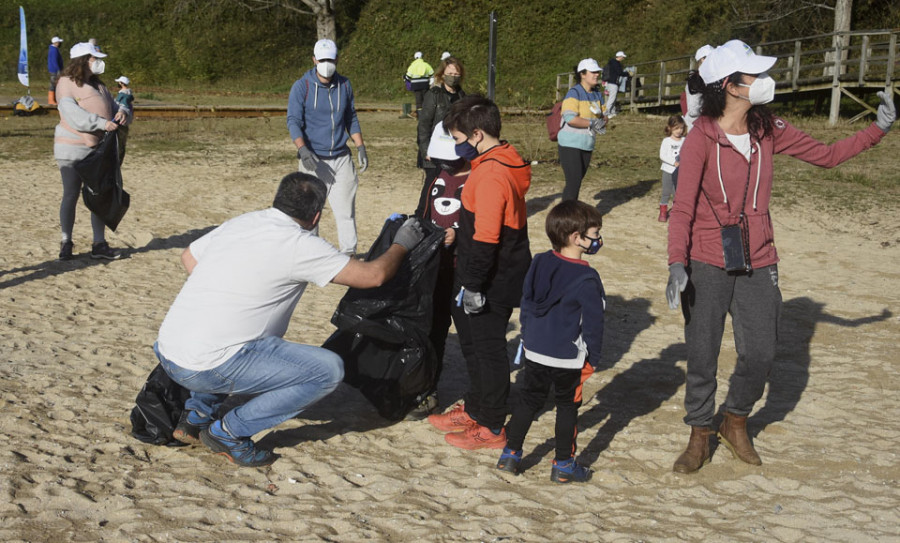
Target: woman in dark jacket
{"type": "Point", "coordinates": [447, 89]}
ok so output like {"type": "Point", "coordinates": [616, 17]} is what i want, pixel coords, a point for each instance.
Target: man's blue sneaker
{"type": "Point", "coordinates": [509, 461]}
{"type": "Point", "coordinates": [190, 424]}
{"type": "Point", "coordinates": [240, 450]}
{"type": "Point", "coordinates": [568, 471]}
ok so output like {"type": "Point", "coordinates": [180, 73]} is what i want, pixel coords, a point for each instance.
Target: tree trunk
{"type": "Point", "coordinates": [325, 26]}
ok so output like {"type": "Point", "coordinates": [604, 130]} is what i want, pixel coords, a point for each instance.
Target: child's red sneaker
{"type": "Point", "coordinates": [477, 437]}
{"type": "Point", "coordinates": [455, 420]}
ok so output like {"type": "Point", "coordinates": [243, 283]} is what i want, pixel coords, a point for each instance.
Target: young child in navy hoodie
{"type": "Point", "coordinates": [562, 332]}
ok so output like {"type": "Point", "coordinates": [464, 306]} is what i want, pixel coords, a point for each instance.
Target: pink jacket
{"type": "Point", "coordinates": [711, 165]}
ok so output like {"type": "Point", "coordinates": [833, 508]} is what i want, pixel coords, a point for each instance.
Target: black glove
{"type": "Point", "coordinates": [308, 158]}
{"type": "Point", "coordinates": [678, 280]}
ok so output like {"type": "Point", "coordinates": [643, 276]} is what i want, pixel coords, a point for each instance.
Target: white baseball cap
{"type": "Point", "coordinates": [445, 55]}
{"type": "Point", "coordinates": [85, 48]}
{"type": "Point", "coordinates": [123, 80]}
{"type": "Point", "coordinates": [733, 56]}
{"type": "Point", "coordinates": [703, 52]}
{"type": "Point", "coordinates": [56, 39]}
{"type": "Point", "coordinates": [325, 50]}
{"type": "Point", "coordinates": [588, 64]}
{"type": "Point", "coordinates": [418, 54]}
{"type": "Point", "coordinates": [442, 145]}
{"type": "Point", "coordinates": [621, 54]}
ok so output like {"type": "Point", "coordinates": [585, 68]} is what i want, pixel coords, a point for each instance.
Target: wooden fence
{"type": "Point", "coordinates": [846, 63]}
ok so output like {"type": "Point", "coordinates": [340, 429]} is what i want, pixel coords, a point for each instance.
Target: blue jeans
{"type": "Point", "coordinates": [283, 377]}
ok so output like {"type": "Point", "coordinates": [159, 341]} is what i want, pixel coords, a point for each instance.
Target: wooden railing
{"type": "Point", "coordinates": [839, 61]}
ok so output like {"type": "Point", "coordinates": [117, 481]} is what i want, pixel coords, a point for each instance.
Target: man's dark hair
{"type": "Point", "coordinates": [301, 196]}
{"type": "Point", "coordinates": [474, 111]}
{"type": "Point", "coordinates": [570, 216]}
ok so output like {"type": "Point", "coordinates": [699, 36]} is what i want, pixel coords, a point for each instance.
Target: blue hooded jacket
{"type": "Point", "coordinates": [323, 114]}
{"type": "Point", "coordinates": [562, 312]}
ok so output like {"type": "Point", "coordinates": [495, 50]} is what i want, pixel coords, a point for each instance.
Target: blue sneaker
{"type": "Point", "coordinates": [568, 471]}
{"type": "Point", "coordinates": [240, 450]}
{"type": "Point", "coordinates": [509, 461]}
{"type": "Point", "coordinates": [190, 424]}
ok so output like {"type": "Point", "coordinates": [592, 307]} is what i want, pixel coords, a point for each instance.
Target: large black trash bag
{"type": "Point", "coordinates": [158, 407]}
{"type": "Point", "coordinates": [382, 332]}
{"type": "Point", "coordinates": [101, 182]}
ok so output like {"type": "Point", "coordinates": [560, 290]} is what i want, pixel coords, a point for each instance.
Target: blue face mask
{"type": "Point", "coordinates": [595, 245]}
{"type": "Point", "coordinates": [466, 150]}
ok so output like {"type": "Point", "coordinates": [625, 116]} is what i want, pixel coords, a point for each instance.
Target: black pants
{"type": "Point", "coordinates": [420, 97]}
{"type": "Point", "coordinates": [482, 338]}
{"type": "Point", "coordinates": [754, 302]}
{"type": "Point", "coordinates": [441, 304]}
{"type": "Point", "coordinates": [536, 380]}
{"type": "Point", "coordinates": [575, 163]}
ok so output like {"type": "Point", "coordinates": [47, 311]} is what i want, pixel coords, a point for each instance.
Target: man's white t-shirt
{"type": "Point", "coordinates": [250, 274]}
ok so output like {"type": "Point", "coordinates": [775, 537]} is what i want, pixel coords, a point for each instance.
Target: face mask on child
{"type": "Point", "coordinates": [595, 245]}
{"type": "Point", "coordinates": [466, 150]}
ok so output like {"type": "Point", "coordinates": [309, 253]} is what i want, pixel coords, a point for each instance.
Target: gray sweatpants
{"type": "Point", "coordinates": [669, 182]}
{"type": "Point", "coordinates": [754, 302]}
{"type": "Point", "coordinates": [339, 175]}
{"type": "Point", "coordinates": [71, 192]}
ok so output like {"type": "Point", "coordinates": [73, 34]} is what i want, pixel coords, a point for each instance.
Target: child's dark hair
{"type": "Point", "coordinates": [474, 111]}
{"type": "Point", "coordinates": [300, 195]}
{"type": "Point", "coordinates": [760, 119]}
{"type": "Point", "coordinates": [570, 216]}
{"type": "Point", "coordinates": [673, 122]}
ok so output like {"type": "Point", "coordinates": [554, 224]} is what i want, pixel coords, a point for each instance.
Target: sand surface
{"type": "Point", "coordinates": [76, 348]}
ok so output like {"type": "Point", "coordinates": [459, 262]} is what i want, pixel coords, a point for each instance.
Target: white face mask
{"type": "Point", "coordinates": [762, 91]}
{"type": "Point", "coordinates": [98, 66]}
{"type": "Point", "coordinates": [326, 69]}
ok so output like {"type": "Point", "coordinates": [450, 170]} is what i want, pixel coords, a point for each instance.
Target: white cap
{"type": "Point", "coordinates": [418, 54]}
{"type": "Point", "coordinates": [621, 54]}
{"type": "Point", "coordinates": [85, 48]}
{"type": "Point", "coordinates": [445, 55]}
{"type": "Point", "coordinates": [588, 64]}
{"type": "Point", "coordinates": [325, 49]}
{"type": "Point", "coordinates": [56, 39]}
{"type": "Point", "coordinates": [703, 52]}
{"type": "Point", "coordinates": [123, 80]}
{"type": "Point", "coordinates": [733, 56]}
{"type": "Point", "coordinates": [442, 145]}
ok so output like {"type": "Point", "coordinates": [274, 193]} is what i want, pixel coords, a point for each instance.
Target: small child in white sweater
{"type": "Point", "coordinates": [668, 154]}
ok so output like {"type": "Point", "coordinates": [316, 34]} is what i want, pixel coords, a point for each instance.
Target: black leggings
{"type": "Point", "coordinates": [575, 163]}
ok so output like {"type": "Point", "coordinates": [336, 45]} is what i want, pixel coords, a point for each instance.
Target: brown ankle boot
{"type": "Point", "coordinates": [697, 452]}
{"type": "Point", "coordinates": [733, 433]}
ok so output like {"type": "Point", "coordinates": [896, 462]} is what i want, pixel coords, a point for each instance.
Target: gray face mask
{"type": "Point", "coordinates": [451, 81]}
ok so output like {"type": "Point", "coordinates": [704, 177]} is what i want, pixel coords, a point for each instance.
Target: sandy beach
{"type": "Point", "coordinates": [76, 348]}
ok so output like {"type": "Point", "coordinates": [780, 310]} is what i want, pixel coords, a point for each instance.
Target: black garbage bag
{"type": "Point", "coordinates": [101, 182]}
{"type": "Point", "coordinates": [382, 332]}
{"type": "Point", "coordinates": [158, 407]}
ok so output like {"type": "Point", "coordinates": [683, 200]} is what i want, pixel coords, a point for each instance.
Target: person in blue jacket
{"type": "Point", "coordinates": [321, 117]}
{"type": "Point", "coordinates": [562, 332]}
{"type": "Point", "coordinates": [55, 67]}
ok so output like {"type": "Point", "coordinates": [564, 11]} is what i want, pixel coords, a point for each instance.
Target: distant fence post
{"type": "Point", "coordinates": [798, 47]}
{"type": "Point", "coordinates": [892, 58]}
{"type": "Point", "coordinates": [835, 111]}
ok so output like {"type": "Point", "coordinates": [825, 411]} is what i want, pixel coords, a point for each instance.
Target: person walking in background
{"type": "Point", "coordinates": [124, 98]}
{"type": "Point", "coordinates": [321, 117]}
{"type": "Point", "coordinates": [690, 103]}
{"type": "Point", "coordinates": [562, 333]}
{"type": "Point", "coordinates": [612, 77]}
{"type": "Point", "coordinates": [668, 154]}
{"type": "Point", "coordinates": [583, 120]}
{"type": "Point", "coordinates": [722, 256]}
{"type": "Point", "coordinates": [493, 256]}
{"type": "Point", "coordinates": [54, 67]}
{"type": "Point", "coordinates": [418, 77]}
{"type": "Point", "coordinates": [86, 109]}
{"type": "Point", "coordinates": [223, 334]}
{"type": "Point", "coordinates": [438, 99]}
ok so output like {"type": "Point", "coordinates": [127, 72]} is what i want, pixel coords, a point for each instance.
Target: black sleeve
{"type": "Point", "coordinates": [426, 122]}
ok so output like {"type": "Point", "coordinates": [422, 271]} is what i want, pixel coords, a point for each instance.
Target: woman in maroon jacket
{"type": "Point", "coordinates": [722, 256]}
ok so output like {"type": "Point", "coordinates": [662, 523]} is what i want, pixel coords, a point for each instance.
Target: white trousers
{"type": "Point", "coordinates": [339, 175]}
{"type": "Point", "coordinates": [611, 101]}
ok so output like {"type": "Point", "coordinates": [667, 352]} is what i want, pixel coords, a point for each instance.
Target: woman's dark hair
{"type": "Point", "coordinates": [760, 119]}
{"type": "Point", "coordinates": [578, 74]}
{"type": "Point", "coordinates": [474, 111]}
{"type": "Point", "coordinates": [570, 216]}
{"type": "Point", "coordinates": [79, 71]}
{"type": "Point", "coordinates": [300, 195]}
{"type": "Point", "coordinates": [449, 61]}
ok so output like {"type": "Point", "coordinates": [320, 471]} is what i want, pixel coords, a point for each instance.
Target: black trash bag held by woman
{"type": "Point", "coordinates": [101, 180]}
{"type": "Point", "coordinates": [382, 333]}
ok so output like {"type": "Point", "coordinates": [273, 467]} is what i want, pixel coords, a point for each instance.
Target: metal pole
{"type": "Point", "coordinates": [492, 56]}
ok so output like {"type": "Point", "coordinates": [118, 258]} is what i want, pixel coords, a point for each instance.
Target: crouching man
{"type": "Point", "coordinates": [223, 334]}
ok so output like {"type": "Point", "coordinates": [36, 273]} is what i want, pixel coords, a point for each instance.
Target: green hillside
{"type": "Point", "coordinates": [209, 45]}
